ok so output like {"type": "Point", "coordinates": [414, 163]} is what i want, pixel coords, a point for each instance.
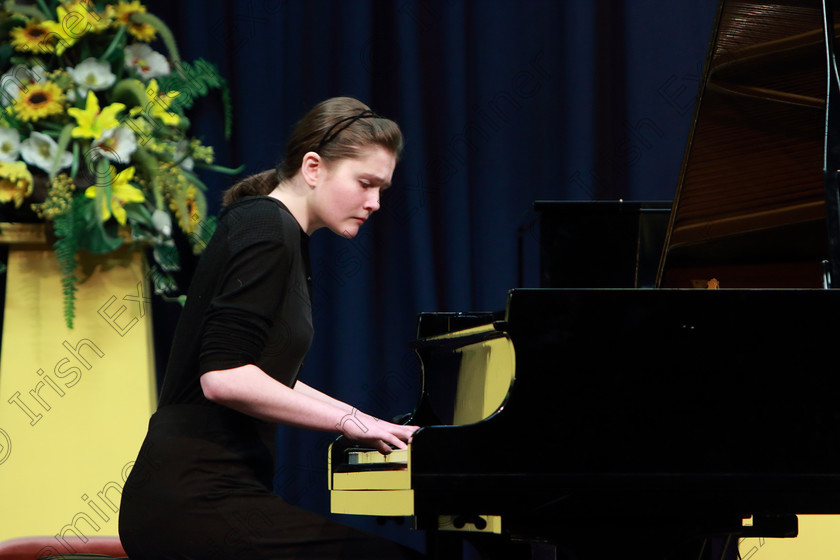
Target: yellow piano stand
{"type": "Point", "coordinates": [818, 539]}
{"type": "Point", "coordinates": [74, 403]}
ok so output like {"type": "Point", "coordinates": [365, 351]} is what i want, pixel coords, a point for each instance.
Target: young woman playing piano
{"type": "Point", "coordinates": [201, 487]}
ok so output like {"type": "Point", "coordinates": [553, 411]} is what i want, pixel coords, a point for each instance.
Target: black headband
{"type": "Point", "coordinates": [332, 132]}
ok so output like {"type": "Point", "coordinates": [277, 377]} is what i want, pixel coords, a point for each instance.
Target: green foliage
{"type": "Point", "coordinates": [66, 248]}
{"type": "Point", "coordinates": [194, 81]}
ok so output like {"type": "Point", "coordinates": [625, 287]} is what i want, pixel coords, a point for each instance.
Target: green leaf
{"type": "Point", "coordinates": [194, 180]}
{"type": "Point", "coordinates": [116, 43]}
{"type": "Point", "coordinates": [163, 284]}
{"type": "Point", "coordinates": [44, 8]}
{"type": "Point", "coordinates": [221, 168]}
{"type": "Point", "coordinates": [130, 91]}
{"type": "Point", "coordinates": [137, 212]}
{"type": "Point", "coordinates": [6, 52]}
{"type": "Point", "coordinates": [97, 240]}
{"type": "Point", "coordinates": [91, 233]}
{"type": "Point", "coordinates": [30, 11]}
{"type": "Point", "coordinates": [182, 299]}
{"type": "Point", "coordinates": [63, 140]}
{"type": "Point", "coordinates": [74, 168]}
{"type": "Point", "coordinates": [166, 255]}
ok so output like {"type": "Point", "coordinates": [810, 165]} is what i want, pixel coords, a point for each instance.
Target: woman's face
{"type": "Point", "coordinates": [347, 192]}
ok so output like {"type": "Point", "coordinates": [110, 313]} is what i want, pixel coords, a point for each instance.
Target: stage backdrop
{"type": "Point", "coordinates": [502, 102]}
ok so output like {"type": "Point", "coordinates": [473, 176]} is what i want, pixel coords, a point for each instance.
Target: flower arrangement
{"type": "Point", "coordinates": [93, 133]}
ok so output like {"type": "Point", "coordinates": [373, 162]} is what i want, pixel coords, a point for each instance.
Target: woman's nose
{"type": "Point", "coordinates": [372, 202]}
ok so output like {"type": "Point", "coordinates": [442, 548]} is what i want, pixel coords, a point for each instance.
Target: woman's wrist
{"type": "Point", "coordinates": [355, 421]}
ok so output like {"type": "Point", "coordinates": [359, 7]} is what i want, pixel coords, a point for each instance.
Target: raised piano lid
{"type": "Point", "coordinates": [750, 205]}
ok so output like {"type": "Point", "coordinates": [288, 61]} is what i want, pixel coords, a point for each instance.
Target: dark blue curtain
{"type": "Point", "coordinates": [502, 102]}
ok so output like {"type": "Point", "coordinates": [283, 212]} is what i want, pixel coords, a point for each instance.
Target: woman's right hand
{"type": "Point", "coordinates": [375, 433]}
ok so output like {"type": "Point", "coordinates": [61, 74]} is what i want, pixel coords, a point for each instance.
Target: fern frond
{"type": "Point", "coordinates": [196, 80]}
{"type": "Point", "coordinates": [65, 253]}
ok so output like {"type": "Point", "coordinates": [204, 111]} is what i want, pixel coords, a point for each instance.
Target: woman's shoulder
{"type": "Point", "coordinates": [260, 216]}
{"type": "Point", "coordinates": [256, 208]}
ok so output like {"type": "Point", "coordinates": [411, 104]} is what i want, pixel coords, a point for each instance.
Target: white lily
{"type": "Point", "coordinates": [9, 144]}
{"type": "Point", "coordinates": [41, 151]}
{"type": "Point", "coordinates": [116, 144]}
{"type": "Point", "coordinates": [92, 74]}
{"type": "Point", "coordinates": [146, 61]}
{"type": "Point", "coordinates": [162, 222]}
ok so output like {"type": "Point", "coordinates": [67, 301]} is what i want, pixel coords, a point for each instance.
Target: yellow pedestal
{"type": "Point", "coordinates": [74, 403]}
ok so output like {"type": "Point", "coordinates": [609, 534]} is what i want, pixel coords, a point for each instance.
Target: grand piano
{"type": "Point", "coordinates": [676, 406]}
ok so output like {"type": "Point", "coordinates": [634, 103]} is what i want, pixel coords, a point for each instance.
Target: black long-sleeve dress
{"type": "Point", "coordinates": [201, 487]}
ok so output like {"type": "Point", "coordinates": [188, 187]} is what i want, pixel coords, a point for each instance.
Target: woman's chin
{"type": "Point", "coordinates": [348, 231]}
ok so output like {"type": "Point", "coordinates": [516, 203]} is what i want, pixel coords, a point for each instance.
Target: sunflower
{"type": "Point", "coordinates": [122, 16]}
{"type": "Point", "coordinates": [37, 101]}
{"type": "Point", "coordinates": [34, 37]}
{"type": "Point", "coordinates": [193, 208]}
{"type": "Point", "coordinates": [185, 201]}
{"type": "Point", "coordinates": [15, 182]}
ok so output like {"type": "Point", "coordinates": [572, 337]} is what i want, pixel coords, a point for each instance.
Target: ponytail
{"type": "Point", "coordinates": [259, 184]}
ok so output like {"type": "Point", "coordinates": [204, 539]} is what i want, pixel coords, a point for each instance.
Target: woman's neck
{"type": "Point", "coordinates": [294, 193]}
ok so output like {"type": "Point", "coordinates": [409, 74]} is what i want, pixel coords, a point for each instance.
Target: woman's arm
{"type": "Point", "coordinates": [305, 389]}
{"type": "Point", "coordinates": [250, 390]}
{"type": "Point", "coordinates": [355, 413]}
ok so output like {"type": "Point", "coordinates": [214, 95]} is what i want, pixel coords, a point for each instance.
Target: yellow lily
{"type": "Point", "coordinates": [122, 193]}
{"type": "Point", "coordinates": [157, 104]}
{"type": "Point", "coordinates": [91, 120]}
{"type": "Point", "coordinates": [82, 11]}
{"type": "Point", "coordinates": [75, 20]}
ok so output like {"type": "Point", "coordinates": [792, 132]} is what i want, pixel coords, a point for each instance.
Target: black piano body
{"type": "Point", "coordinates": [684, 409]}
{"type": "Point", "coordinates": [691, 406]}
{"type": "Point", "coordinates": [735, 409]}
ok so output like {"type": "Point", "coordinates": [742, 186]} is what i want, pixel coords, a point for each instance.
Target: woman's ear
{"type": "Point", "coordinates": [311, 168]}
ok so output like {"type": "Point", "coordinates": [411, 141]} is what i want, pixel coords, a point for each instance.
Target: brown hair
{"type": "Point", "coordinates": [336, 128]}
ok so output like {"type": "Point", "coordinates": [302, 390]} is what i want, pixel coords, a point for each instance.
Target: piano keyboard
{"type": "Point", "coordinates": [481, 362]}
{"type": "Point", "coordinates": [372, 457]}
{"type": "Point", "coordinates": [373, 484]}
